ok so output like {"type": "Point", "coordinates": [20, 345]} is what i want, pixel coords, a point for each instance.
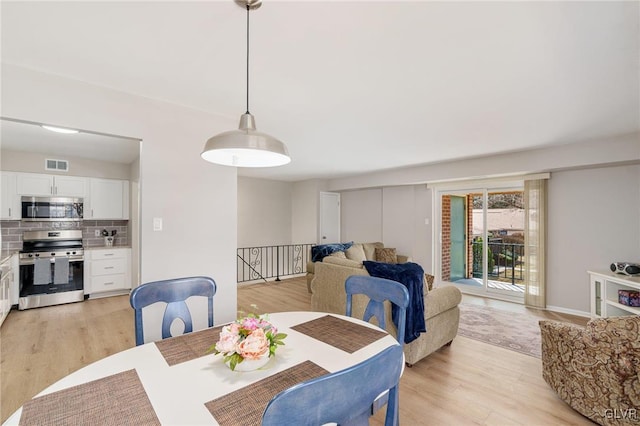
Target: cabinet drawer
{"type": "Point", "coordinates": [108, 283]}
{"type": "Point", "coordinates": [108, 254]}
{"type": "Point", "coordinates": [108, 266]}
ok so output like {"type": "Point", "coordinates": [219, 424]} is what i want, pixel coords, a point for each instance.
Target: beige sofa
{"type": "Point", "coordinates": [442, 314]}
{"type": "Point", "coordinates": [369, 250]}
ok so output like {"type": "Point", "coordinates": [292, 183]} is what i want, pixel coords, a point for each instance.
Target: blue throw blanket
{"type": "Point", "coordinates": [412, 276]}
{"type": "Point", "coordinates": [320, 251]}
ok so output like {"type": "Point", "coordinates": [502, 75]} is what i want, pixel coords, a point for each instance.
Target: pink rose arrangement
{"type": "Point", "coordinates": [249, 338]}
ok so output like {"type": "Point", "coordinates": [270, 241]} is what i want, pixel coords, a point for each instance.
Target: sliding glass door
{"type": "Point", "coordinates": [482, 239]}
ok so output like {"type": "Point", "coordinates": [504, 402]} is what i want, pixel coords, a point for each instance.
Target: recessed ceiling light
{"type": "Point", "coordinates": [59, 129]}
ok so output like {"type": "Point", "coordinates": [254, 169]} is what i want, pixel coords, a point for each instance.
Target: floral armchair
{"type": "Point", "coordinates": [595, 369]}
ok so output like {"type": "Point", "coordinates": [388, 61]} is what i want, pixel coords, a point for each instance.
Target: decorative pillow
{"type": "Point", "coordinates": [356, 252]}
{"type": "Point", "coordinates": [320, 251]}
{"type": "Point", "coordinates": [428, 281]}
{"type": "Point", "coordinates": [370, 250]}
{"type": "Point", "coordinates": [339, 254]}
{"type": "Point", "coordinates": [342, 262]}
{"type": "Point", "coordinates": [386, 255]}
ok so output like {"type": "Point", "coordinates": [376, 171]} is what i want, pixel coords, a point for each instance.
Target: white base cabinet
{"type": "Point", "coordinates": [604, 288]}
{"type": "Point", "coordinates": [6, 287]}
{"type": "Point", "coordinates": [107, 272]}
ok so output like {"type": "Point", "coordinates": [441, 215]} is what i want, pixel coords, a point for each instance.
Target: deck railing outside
{"type": "Point", "coordinates": [508, 265]}
{"type": "Point", "coordinates": [261, 263]}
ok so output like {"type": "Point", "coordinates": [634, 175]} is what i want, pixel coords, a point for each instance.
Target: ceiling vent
{"type": "Point", "coordinates": [57, 165]}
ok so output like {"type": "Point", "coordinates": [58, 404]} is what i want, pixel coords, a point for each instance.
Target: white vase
{"type": "Point", "coordinates": [251, 364]}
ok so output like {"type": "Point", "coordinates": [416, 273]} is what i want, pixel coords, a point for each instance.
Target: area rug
{"type": "Point", "coordinates": [510, 330]}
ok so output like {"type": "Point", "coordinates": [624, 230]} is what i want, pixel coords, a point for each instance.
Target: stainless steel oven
{"type": "Point", "coordinates": [51, 268]}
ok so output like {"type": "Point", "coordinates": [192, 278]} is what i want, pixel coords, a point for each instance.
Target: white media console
{"type": "Point", "coordinates": [604, 287]}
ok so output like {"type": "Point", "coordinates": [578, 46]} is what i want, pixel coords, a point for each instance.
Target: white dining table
{"type": "Point", "coordinates": [178, 393]}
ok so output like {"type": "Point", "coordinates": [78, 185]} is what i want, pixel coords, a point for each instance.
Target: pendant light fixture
{"type": "Point", "coordinates": [246, 147]}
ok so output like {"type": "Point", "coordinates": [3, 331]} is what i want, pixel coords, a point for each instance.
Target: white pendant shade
{"type": "Point", "coordinates": [245, 147]}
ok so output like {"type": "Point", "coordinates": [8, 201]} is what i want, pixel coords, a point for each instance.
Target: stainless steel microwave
{"type": "Point", "coordinates": [51, 209]}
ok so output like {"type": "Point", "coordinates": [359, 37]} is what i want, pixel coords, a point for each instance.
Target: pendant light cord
{"type": "Point", "coordinates": [248, 57]}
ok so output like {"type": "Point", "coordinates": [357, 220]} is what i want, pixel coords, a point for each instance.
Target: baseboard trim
{"type": "Point", "coordinates": [575, 312]}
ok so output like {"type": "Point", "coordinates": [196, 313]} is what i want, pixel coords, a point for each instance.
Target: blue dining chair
{"type": "Point", "coordinates": [344, 397]}
{"type": "Point", "coordinates": [174, 293]}
{"type": "Point", "coordinates": [378, 290]}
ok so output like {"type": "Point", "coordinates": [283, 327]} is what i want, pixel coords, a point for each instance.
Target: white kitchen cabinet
{"type": "Point", "coordinates": [6, 284]}
{"type": "Point", "coordinates": [10, 202]}
{"type": "Point", "coordinates": [35, 184]}
{"type": "Point", "coordinates": [109, 199]}
{"type": "Point", "coordinates": [107, 271]}
{"type": "Point", "coordinates": [70, 186]}
{"type": "Point", "coordinates": [604, 288]}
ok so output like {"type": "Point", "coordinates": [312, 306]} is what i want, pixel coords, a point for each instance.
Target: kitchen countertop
{"type": "Point", "coordinates": [106, 247]}
{"type": "Point", "coordinates": [6, 254]}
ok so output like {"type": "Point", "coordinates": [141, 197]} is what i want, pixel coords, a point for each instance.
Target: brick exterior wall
{"type": "Point", "coordinates": [446, 238]}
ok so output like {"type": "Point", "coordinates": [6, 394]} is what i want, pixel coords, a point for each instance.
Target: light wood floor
{"type": "Point", "coordinates": [469, 382]}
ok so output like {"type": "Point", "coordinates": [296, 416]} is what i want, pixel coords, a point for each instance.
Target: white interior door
{"type": "Point", "coordinates": [329, 231]}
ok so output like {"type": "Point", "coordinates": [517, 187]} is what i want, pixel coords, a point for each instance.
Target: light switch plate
{"type": "Point", "coordinates": [157, 224]}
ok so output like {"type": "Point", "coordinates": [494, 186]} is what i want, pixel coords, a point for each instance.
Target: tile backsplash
{"type": "Point", "coordinates": [12, 231]}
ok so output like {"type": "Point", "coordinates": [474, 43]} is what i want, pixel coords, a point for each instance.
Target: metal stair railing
{"type": "Point", "coordinates": [261, 263]}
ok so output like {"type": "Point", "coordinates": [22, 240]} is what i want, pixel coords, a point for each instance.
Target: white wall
{"type": "Point", "coordinates": [625, 148]}
{"type": "Point", "coordinates": [393, 215]}
{"type": "Point", "coordinates": [423, 236]}
{"type": "Point", "coordinates": [405, 210]}
{"type": "Point", "coordinates": [361, 215]}
{"type": "Point", "coordinates": [305, 214]}
{"type": "Point", "coordinates": [568, 287]}
{"type": "Point", "coordinates": [593, 221]}
{"type": "Point", "coordinates": [398, 218]}
{"type": "Point", "coordinates": [31, 162]}
{"type": "Point", "coordinates": [264, 212]}
{"type": "Point", "coordinates": [272, 212]}
{"type": "Point", "coordinates": [590, 225]}
{"type": "Point", "coordinates": [134, 221]}
{"type": "Point", "coordinates": [196, 200]}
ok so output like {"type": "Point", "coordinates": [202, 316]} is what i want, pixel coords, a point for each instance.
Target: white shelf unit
{"type": "Point", "coordinates": [604, 293]}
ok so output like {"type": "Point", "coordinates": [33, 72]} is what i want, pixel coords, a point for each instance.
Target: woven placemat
{"type": "Point", "coordinates": [245, 406]}
{"type": "Point", "coordinates": [340, 333]}
{"type": "Point", "coordinates": [176, 350]}
{"type": "Point", "coordinates": [113, 400]}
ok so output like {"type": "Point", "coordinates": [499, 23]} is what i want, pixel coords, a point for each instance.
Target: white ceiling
{"type": "Point", "coordinates": [358, 86]}
{"type": "Point", "coordinates": [31, 137]}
